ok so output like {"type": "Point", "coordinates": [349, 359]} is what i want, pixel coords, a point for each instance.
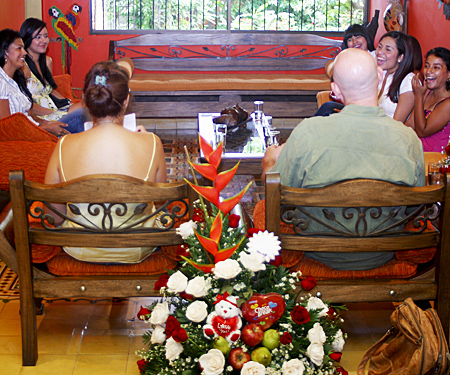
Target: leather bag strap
{"type": "Point", "coordinates": [370, 352]}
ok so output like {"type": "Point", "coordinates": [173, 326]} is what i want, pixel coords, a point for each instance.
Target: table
{"type": "Point", "coordinates": [242, 144]}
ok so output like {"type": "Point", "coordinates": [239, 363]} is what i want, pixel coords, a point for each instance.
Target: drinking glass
{"type": "Point", "coordinates": [259, 109]}
{"type": "Point", "coordinates": [434, 173]}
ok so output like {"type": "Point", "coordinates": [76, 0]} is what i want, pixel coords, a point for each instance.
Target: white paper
{"type": "Point", "coordinates": [129, 122]}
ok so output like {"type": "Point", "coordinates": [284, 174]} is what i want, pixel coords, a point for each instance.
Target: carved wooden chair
{"type": "Point", "coordinates": [362, 198]}
{"type": "Point", "coordinates": [98, 190]}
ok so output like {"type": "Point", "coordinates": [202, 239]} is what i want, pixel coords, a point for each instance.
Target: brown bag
{"type": "Point", "coordinates": [417, 345]}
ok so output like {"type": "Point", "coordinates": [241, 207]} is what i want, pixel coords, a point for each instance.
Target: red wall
{"type": "Point", "coordinates": [12, 14]}
{"type": "Point", "coordinates": [425, 21]}
{"type": "Point", "coordinates": [92, 48]}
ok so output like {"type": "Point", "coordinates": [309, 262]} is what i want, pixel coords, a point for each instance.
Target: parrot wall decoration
{"type": "Point", "coordinates": [65, 25]}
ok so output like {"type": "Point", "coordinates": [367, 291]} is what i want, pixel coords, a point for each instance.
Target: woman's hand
{"type": "Point", "coordinates": [55, 127]}
{"type": "Point", "coordinates": [418, 87]}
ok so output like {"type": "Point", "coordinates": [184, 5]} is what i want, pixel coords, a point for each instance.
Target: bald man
{"type": "Point", "coordinates": [359, 142]}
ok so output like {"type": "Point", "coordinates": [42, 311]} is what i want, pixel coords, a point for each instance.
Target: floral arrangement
{"type": "Point", "coordinates": [230, 308]}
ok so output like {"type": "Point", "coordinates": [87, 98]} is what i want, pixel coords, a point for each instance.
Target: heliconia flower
{"type": "Point", "coordinates": [216, 228]}
{"type": "Point", "coordinates": [224, 178]}
{"type": "Point", "coordinates": [208, 244]}
{"type": "Point", "coordinates": [206, 268]}
{"type": "Point", "coordinates": [228, 204]}
{"type": "Point", "coordinates": [212, 156]}
{"type": "Point", "coordinates": [208, 192]}
{"type": "Point", "coordinates": [224, 254]}
{"type": "Point", "coordinates": [206, 170]}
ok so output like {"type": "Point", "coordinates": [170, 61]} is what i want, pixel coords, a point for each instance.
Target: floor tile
{"type": "Point", "coordinates": [101, 365]}
{"type": "Point", "coordinates": [10, 345]}
{"type": "Point", "coordinates": [105, 344]}
{"type": "Point", "coordinates": [11, 364]}
{"type": "Point", "coordinates": [10, 310]}
{"type": "Point", "coordinates": [9, 327]}
{"type": "Point", "coordinates": [51, 365]}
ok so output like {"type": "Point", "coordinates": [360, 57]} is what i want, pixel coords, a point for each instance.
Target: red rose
{"type": "Point", "coordinates": [180, 335]}
{"type": "Point", "coordinates": [341, 370]}
{"type": "Point", "coordinates": [300, 315]}
{"type": "Point", "coordinates": [286, 338]}
{"type": "Point", "coordinates": [447, 149]}
{"type": "Point", "coordinates": [198, 215]}
{"type": "Point", "coordinates": [308, 283]}
{"type": "Point", "coordinates": [252, 231]}
{"type": "Point", "coordinates": [172, 325]}
{"type": "Point", "coordinates": [161, 282]}
{"type": "Point", "coordinates": [142, 363]}
{"type": "Point", "coordinates": [189, 297]}
{"type": "Point", "coordinates": [143, 312]}
{"type": "Point", "coordinates": [331, 313]}
{"type": "Point", "coordinates": [336, 356]}
{"type": "Point", "coordinates": [233, 220]}
{"type": "Point", "coordinates": [277, 261]}
{"type": "Point", "coordinates": [183, 250]}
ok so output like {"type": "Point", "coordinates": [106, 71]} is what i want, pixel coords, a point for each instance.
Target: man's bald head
{"type": "Point", "coordinates": [356, 76]}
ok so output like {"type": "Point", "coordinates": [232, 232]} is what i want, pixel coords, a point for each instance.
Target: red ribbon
{"type": "Point", "coordinates": [224, 297]}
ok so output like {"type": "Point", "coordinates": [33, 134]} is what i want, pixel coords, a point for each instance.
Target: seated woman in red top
{"type": "Point", "coordinates": [431, 116]}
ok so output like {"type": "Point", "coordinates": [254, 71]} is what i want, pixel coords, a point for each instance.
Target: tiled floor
{"type": "Point", "coordinates": [84, 338]}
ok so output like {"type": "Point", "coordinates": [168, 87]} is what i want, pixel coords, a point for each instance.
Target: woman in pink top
{"type": "Point", "coordinates": [431, 116]}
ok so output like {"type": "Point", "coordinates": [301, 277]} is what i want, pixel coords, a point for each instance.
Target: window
{"type": "Point", "coordinates": [272, 15]}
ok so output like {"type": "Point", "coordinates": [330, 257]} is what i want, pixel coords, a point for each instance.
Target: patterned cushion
{"type": "Point", "coordinates": [394, 269]}
{"type": "Point", "coordinates": [64, 265]}
{"type": "Point", "coordinates": [405, 258]}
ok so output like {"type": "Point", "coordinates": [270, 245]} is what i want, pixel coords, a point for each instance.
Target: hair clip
{"type": "Point", "coordinates": [100, 80]}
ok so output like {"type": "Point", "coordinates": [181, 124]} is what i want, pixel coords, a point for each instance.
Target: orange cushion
{"type": "Point", "coordinates": [410, 256]}
{"type": "Point", "coordinates": [64, 265]}
{"type": "Point", "coordinates": [64, 83]}
{"type": "Point", "coordinates": [205, 82]}
{"type": "Point", "coordinates": [32, 157]}
{"type": "Point", "coordinates": [394, 269]}
{"type": "Point", "coordinates": [18, 127]}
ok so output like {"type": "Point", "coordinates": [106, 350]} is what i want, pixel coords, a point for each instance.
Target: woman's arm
{"type": "Point", "coordinates": [161, 171]}
{"type": "Point", "coordinates": [435, 122]}
{"type": "Point", "coordinates": [54, 127]}
{"type": "Point", "coordinates": [38, 110]}
{"type": "Point", "coordinates": [52, 176]}
{"type": "Point", "coordinates": [404, 107]}
{"type": "Point", "coordinates": [4, 108]}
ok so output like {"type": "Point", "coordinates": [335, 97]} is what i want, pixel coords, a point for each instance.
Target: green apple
{"type": "Point", "coordinates": [262, 355]}
{"type": "Point", "coordinates": [271, 339]}
{"type": "Point", "coordinates": [222, 344]}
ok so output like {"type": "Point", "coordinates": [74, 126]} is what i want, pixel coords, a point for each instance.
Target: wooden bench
{"type": "Point", "coordinates": [180, 75]}
{"type": "Point", "coordinates": [362, 198]}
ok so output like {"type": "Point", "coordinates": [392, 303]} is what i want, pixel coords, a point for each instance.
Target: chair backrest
{"type": "Point", "coordinates": [104, 194]}
{"type": "Point", "coordinates": [361, 198]}
{"type": "Point", "coordinates": [322, 97]}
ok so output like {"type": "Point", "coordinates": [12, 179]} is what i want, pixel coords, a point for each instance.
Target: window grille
{"type": "Point", "coordinates": [247, 15]}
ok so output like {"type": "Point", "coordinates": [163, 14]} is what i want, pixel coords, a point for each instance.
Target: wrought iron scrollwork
{"type": "Point", "coordinates": [109, 215]}
{"type": "Point", "coordinates": [358, 221]}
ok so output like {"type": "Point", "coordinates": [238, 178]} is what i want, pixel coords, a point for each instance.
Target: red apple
{"type": "Point", "coordinates": [238, 358]}
{"type": "Point", "coordinates": [252, 334]}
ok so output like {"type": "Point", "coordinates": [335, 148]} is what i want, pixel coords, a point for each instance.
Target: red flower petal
{"type": "Point", "coordinates": [142, 364]}
{"type": "Point", "coordinates": [206, 170]}
{"type": "Point", "coordinates": [208, 244]}
{"type": "Point", "coordinates": [206, 268]}
{"type": "Point", "coordinates": [216, 156]}
{"type": "Point", "coordinates": [228, 204]}
{"type": "Point", "coordinates": [216, 228]}
{"type": "Point", "coordinates": [341, 370]}
{"type": "Point", "coordinates": [226, 253]}
{"type": "Point", "coordinates": [252, 231]}
{"type": "Point", "coordinates": [336, 356]}
{"type": "Point", "coordinates": [277, 261]}
{"type": "Point", "coordinates": [308, 283]}
{"type": "Point", "coordinates": [224, 178]}
{"type": "Point", "coordinates": [233, 220]}
{"type": "Point", "coordinates": [286, 338]}
{"type": "Point", "coordinates": [162, 281]}
{"type": "Point", "coordinates": [182, 251]}
{"type": "Point", "coordinates": [208, 192]}
{"type": "Point", "coordinates": [205, 147]}
{"type": "Point", "coordinates": [143, 312]}
{"type": "Point", "coordinates": [300, 315]}
{"type": "Point", "coordinates": [180, 335]}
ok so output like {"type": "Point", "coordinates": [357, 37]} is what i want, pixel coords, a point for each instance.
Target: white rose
{"type": "Point", "coordinates": [197, 287]}
{"type": "Point", "coordinates": [315, 303]}
{"type": "Point", "coordinates": [317, 334]}
{"type": "Point", "coordinates": [338, 343]}
{"type": "Point", "coordinates": [177, 283]}
{"type": "Point", "coordinates": [293, 367]}
{"type": "Point", "coordinates": [253, 368]}
{"type": "Point", "coordinates": [227, 269]}
{"type": "Point", "coordinates": [160, 313]}
{"type": "Point", "coordinates": [253, 261]}
{"type": "Point", "coordinates": [173, 349]}
{"type": "Point", "coordinates": [213, 362]}
{"type": "Point", "coordinates": [158, 336]}
{"type": "Point", "coordinates": [186, 229]}
{"type": "Point", "coordinates": [315, 353]}
{"type": "Point", "coordinates": [197, 311]}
